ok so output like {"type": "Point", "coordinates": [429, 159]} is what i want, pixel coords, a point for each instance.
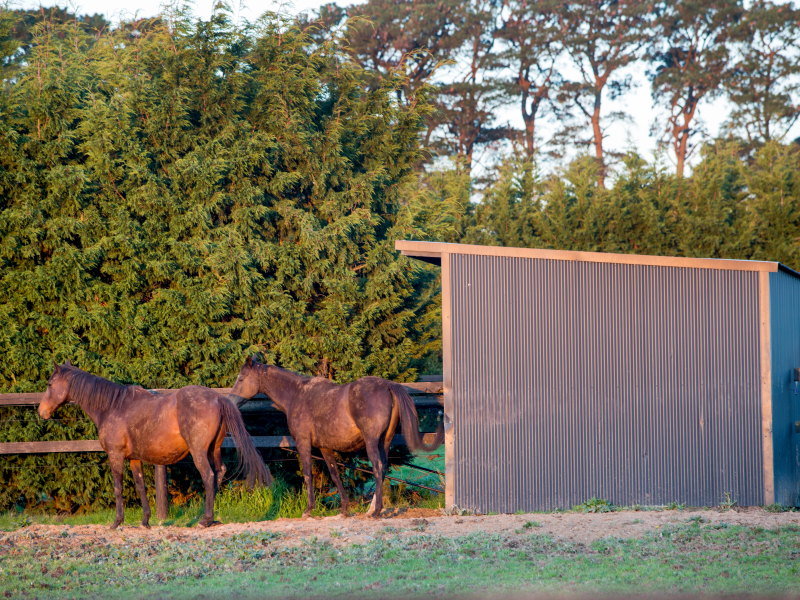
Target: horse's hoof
{"type": "Point", "coordinates": [115, 524]}
{"type": "Point", "coordinates": [306, 515]}
{"type": "Point", "coordinates": [145, 524]}
{"type": "Point", "coordinates": [208, 523]}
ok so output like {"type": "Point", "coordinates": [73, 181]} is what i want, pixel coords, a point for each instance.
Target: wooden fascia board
{"type": "Point", "coordinates": [430, 251]}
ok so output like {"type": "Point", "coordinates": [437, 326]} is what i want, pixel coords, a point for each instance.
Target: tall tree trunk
{"type": "Point", "coordinates": [597, 132]}
{"type": "Point", "coordinates": [530, 145]}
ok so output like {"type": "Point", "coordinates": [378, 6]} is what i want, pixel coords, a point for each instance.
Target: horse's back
{"type": "Point", "coordinates": [147, 429]}
{"type": "Point", "coordinates": [342, 415]}
{"type": "Point", "coordinates": [199, 414]}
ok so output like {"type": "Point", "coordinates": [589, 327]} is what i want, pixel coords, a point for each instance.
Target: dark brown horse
{"type": "Point", "coordinates": [342, 418]}
{"type": "Point", "coordinates": [135, 424]}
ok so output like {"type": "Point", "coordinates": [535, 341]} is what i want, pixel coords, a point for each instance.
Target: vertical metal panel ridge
{"type": "Point", "coordinates": [637, 384]}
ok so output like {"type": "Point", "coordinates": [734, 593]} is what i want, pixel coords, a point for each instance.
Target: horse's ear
{"type": "Point", "coordinates": [249, 361]}
{"type": "Point", "coordinates": [56, 367]}
{"type": "Point", "coordinates": [254, 359]}
{"type": "Point", "coordinates": [67, 364]}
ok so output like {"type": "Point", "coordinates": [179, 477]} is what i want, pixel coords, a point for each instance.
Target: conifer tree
{"type": "Point", "coordinates": [773, 204]}
{"type": "Point", "coordinates": [638, 218]}
{"type": "Point", "coordinates": [710, 206]}
{"type": "Point", "coordinates": [510, 211]}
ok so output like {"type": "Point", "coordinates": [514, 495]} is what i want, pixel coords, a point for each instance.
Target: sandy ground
{"type": "Point", "coordinates": [575, 527]}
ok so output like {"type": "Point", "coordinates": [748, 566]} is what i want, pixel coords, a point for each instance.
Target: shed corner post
{"type": "Point", "coordinates": [766, 387]}
{"type": "Point", "coordinates": [447, 382]}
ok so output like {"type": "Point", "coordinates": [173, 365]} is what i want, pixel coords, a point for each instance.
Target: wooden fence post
{"type": "Point", "coordinates": [162, 498]}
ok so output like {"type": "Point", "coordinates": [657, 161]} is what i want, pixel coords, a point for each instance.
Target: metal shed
{"type": "Point", "coordinates": [636, 379]}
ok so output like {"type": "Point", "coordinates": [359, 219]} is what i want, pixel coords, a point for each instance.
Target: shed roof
{"type": "Point", "coordinates": [432, 252]}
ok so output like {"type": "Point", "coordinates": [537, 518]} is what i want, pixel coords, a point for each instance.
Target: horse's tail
{"type": "Point", "coordinates": [410, 421]}
{"type": "Point", "coordinates": [249, 458]}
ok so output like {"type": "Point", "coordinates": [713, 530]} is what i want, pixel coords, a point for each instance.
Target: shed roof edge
{"type": "Point", "coordinates": [432, 252]}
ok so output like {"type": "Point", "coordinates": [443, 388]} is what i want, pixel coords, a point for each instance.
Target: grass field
{"type": "Point", "coordinates": [693, 555]}
{"type": "Point", "coordinates": [690, 558]}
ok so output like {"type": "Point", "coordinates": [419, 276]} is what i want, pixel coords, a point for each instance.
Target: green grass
{"type": "Point", "coordinates": [687, 559]}
{"type": "Point", "coordinates": [233, 504]}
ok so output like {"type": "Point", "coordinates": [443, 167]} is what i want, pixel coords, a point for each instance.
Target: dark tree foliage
{"type": "Point", "coordinates": [417, 35]}
{"type": "Point", "coordinates": [691, 57]}
{"type": "Point", "coordinates": [764, 83]}
{"type": "Point", "coordinates": [534, 41]}
{"type": "Point", "coordinates": [174, 198]}
{"type": "Point", "coordinates": [468, 103]}
{"type": "Point", "coordinates": [601, 37]}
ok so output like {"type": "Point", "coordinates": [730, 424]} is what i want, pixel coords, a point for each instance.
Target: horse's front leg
{"type": "Point", "coordinates": [117, 463]}
{"type": "Point", "coordinates": [138, 479]}
{"type": "Point", "coordinates": [304, 450]}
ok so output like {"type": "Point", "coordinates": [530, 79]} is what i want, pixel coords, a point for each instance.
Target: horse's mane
{"type": "Point", "coordinates": [94, 392]}
{"type": "Point", "coordinates": [284, 378]}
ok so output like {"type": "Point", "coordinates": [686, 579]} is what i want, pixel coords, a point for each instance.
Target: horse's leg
{"type": "Point", "coordinates": [378, 460]}
{"type": "Point", "coordinates": [216, 458]}
{"type": "Point", "coordinates": [117, 463]}
{"type": "Point", "coordinates": [304, 450]}
{"type": "Point", "coordinates": [333, 469]}
{"type": "Point", "coordinates": [203, 465]}
{"type": "Point", "coordinates": [138, 479]}
{"type": "Point", "coordinates": [388, 436]}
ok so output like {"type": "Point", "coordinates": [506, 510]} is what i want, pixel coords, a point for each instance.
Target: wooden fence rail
{"type": "Point", "coordinates": [425, 393]}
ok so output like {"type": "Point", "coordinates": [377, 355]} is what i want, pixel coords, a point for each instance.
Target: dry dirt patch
{"type": "Point", "coordinates": [574, 527]}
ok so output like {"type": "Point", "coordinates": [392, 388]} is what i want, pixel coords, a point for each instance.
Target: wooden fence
{"type": "Point", "coordinates": [425, 394]}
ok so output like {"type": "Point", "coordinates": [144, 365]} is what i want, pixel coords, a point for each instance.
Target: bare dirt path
{"type": "Point", "coordinates": [574, 527]}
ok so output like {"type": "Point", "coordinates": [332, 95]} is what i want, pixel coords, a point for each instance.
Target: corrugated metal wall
{"type": "Point", "coordinates": [573, 380]}
{"type": "Point", "coordinates": [785, 352]}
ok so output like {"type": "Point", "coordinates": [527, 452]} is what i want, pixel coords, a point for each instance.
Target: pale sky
{"type": "Point", "coordinates": [638, 103]}
{"type": "Point", "coordinates": [114, 10]}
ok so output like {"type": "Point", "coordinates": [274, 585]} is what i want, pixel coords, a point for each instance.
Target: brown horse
{"type": "Point", "coordinates": [342, 418]}
{"type": "Point", "coordinates": [135, 424]}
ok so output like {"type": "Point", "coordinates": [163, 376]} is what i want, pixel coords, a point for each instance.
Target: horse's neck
{"type": "Point", "coordinates": [282, 385]}
{"type": "Point", "coordinates": [97, 410]}
{"type": "Point", "coordinates": [95, 405]}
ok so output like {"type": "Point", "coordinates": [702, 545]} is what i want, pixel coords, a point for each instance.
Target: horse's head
{"type": "Point", "coordinates": [56, 394]}
{"type": "Point", "coordinates": [247, 383]}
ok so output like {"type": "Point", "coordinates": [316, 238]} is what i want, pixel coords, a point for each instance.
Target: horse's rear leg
{"type": "Point", "coordinates": [378, 460]}
{"type": "Point", "coordinates": [388, 436]}
{"type": "Point", "coordinates": [209, 485]}
{"type": "Point", "coordinates": [117, 464]}
{"type": "Point", "coordinates": [333, 469]}
{"type": "Point", "coordinates": [138, 479]}
{"type": "Point", "coordinates": [216, 458]}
